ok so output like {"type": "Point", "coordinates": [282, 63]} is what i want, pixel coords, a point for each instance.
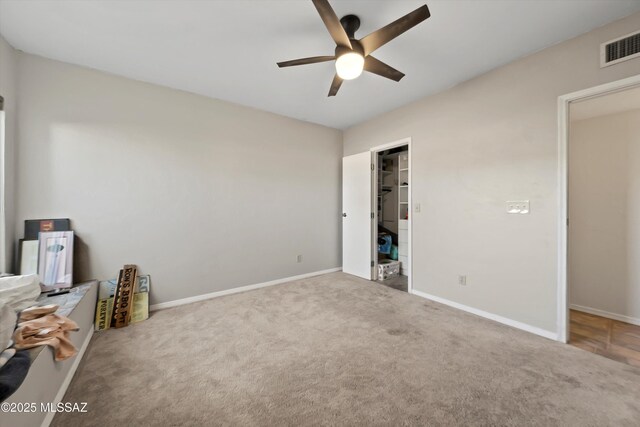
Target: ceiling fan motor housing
{"type": "Point", "coordinates": [356, 47]}
{"type": "Point", "coordinates": [350, 23]}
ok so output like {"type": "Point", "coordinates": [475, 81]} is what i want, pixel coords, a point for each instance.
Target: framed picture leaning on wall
{"type": "Point", "coordinates": [28, 257]}
{"type": "Point", "coordinates": [55, 260]}
{"type": "Point", "coordinates": [33, 227]}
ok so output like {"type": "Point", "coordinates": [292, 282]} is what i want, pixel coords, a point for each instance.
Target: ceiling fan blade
{"type": "Point", "coordinates": [304, 61]}
{"type": "Point", "coordinates": [385, 34]}
{"type": "Point", "coordinates": [335, 85]}
{"type": "Point", "coordinates": [332, 23]}
{"type": "Point", "coordinates": [378, 67]}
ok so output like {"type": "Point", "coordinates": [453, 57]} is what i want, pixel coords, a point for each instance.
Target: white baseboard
{"type": "Point", "coordinates": [203, 297]}
{"type": "Point", "coordinates": [67, 380]}
{"type": "Point", "coordinates": [608, 315]}
{"type": "Point", "coordinates": [490, 316]}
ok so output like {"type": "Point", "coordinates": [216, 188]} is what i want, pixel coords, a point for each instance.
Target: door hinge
{"type": "Point", "coordinates": [371, 263]}
{"type": "Point", "coordinates": [372, 166]}
{"type": "Point", "coordinates": [567, 222]}
{"type": "Point", "coordinates": [372, 215]}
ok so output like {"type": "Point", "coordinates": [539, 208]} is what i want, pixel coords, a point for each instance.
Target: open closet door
{"type": "Point", "coordinates": [356, 216]}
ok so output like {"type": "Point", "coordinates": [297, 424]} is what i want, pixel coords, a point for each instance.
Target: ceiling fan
{"type": "Point", "coordinates": [351, 55]}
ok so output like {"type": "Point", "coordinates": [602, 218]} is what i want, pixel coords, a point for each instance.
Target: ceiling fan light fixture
{"type": "Point", "coordinates": [350, 65]}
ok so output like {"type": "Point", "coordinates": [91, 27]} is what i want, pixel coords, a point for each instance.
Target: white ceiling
{"type": "Point", "coordinates": [605, 105]}
{"type": "Point", "coordinates": [228, 49]}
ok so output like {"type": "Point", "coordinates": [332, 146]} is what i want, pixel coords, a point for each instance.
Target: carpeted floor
{"type": "Point", "coordinates": [337, 350]}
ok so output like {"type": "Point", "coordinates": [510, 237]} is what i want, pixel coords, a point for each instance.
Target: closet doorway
{"type": "Point", "coordinates": [391, 229]}
{"type": "Point", "coordinates": [376, 203]}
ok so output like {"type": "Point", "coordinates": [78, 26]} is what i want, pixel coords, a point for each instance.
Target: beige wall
{"type": "Point", "coordinates": [202, 194]}
{"type": "Point", "coordinates": [604, 207]}
{"type": "Point", "coordinates": [8, 89]}
{"type": "Point", "coordinates": [486, 141]}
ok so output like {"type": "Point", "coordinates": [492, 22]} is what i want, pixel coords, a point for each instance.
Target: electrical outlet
{"type": "Point", "coordinates": [518, 207]}
{"type": "Point", "coordinates": [462, 280]}
{"type": "Point", "coordinates": [299, 259]}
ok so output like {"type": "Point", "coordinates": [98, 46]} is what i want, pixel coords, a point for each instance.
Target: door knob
{"type": "Point", "coordinates": [344, 215]}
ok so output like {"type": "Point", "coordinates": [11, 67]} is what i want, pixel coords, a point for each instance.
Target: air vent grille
{"type": "Point", "coordinates": [621, 49]}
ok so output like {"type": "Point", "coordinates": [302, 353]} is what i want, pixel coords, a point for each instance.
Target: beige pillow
{"type": "Point", "coordinates": [19, 292]}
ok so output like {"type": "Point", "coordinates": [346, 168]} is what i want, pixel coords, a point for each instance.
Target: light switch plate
{"type": "Point", "coordinates": [518, 207]}
{"type": "Point", "coordinates": [417, 207]}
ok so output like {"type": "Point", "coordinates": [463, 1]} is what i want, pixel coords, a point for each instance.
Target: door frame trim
{"type": "Point", "coordinates": [564, 102]}
{"type": "Point", "coordinates": [374, 199]}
